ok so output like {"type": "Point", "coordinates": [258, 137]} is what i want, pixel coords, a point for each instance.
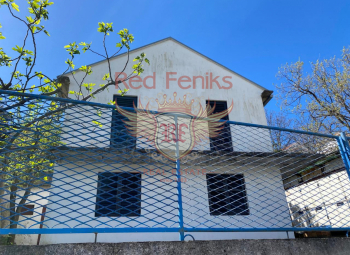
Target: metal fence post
{"type": "Point", "coordinates": [344, 149]}
{"type": "Point", "coordinates": [178, 177]}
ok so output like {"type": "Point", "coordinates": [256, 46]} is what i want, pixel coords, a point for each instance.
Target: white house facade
{"type": "Point", "coordinates": [174, 67]}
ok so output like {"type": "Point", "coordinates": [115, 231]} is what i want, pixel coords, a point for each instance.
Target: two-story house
{"type": "Point", "coordinates": [107, 179]}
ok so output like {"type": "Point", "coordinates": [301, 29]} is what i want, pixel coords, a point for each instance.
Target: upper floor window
{"type": "Point", "coordinates": [120, 136]}
{"type": "Point", "coordinates": [118, 194]}
{"type": "Point", "coordinates": [223, 142]}
{"type": "Point", "coordinates": [227, 194]}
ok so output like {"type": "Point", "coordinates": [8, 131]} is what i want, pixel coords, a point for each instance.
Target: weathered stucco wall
{"type": "Point", "coordinates": [79, 209]}
{"type": "Point", "coordinates": [336, 246]}
{"type": "Point", "coordinates": [170, 56]}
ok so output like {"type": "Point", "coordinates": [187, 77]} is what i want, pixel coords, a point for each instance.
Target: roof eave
{"type": "Point", "coordinates": [266, 96]}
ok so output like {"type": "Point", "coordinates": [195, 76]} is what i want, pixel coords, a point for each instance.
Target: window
{"type": "Point", "coordinates": [118, 194]}
{"type": "Point", "coordinates": [227, 194]}
{"type": "Point", "coordinates": [223, 142]}
{"type": "Point", "coordinates": [120, 136]}
{"type": "Point", "coordinates": [27, 210]}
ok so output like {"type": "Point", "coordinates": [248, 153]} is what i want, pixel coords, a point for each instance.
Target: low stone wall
{"type": "Point", "coordinates": [308, 246]}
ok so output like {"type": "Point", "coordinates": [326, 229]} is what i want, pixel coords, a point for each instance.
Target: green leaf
{"type": "Point", "coordinates": [67, 46]}
{"type": "Point", "coordinates": [28, 61]}
{"type": "Point", "coordinates": [46, 2]}
{"type": "Point", "coordinates": [30, 19]}
{"type": "Point", "coordinates": [86, 46]}
{"type": "Point", "coordinates": [45, 31]}
{"type": "Point", "coordinates": [29, 52]}
{"type": "Point", "coordinates": [118, 45]}
{"type": "Point", "coordinates": [83, 68]}
{"type": "Point", "coordinates": [97, 123]}
{"type": "Point", "coordinates": [105, 27]}
{"type": "Point", "coordinates": [111, 102]}
{"type": "Point", "coordinates": [18, 49]}
{"type": "Point", "coordinates": [101, 26]}
{"type": "Point", "coordinates": [15, 6]}
{"type": "Point", "coordinates": [70, 63]}
{"type": "Point", "coordinates": [35, 5]}
{"type": "Point", "coordinates": [105, 77]}
{"type": "Point", "coordinates": [39, 75]}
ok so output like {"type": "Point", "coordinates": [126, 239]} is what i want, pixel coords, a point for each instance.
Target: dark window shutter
{"type": "Point", "coordinates": [120, 137]}
{"type": "Point", "coordinates": [118, 194]}
{"type": "Point", "coordinates": [223, 142]}
{"type": "Point", "coordinates": [227, 194]}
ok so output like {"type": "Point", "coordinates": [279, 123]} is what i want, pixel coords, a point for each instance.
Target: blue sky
{"type": "Point", "coordinates": [253, 38]}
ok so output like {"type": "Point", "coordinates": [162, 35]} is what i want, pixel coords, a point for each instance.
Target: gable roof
{"type": "Point", "coordinates": [266, 95]}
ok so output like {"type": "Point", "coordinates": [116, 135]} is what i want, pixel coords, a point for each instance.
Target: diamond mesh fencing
{"type": "Point", "coordinates": [266, 179]}
{"type": "Point", "coordinates": [77, 167]}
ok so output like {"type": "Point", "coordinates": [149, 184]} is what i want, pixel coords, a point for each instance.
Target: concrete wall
{"type": "Point", "coordinates": [310, 246]}
{"type": "Point", "coordinates": [78, 184]}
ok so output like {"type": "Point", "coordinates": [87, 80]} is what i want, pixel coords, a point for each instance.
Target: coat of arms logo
{"type": "Point", "coordinates": [173, 130]}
